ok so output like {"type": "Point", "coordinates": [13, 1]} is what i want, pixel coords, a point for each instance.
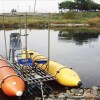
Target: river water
{"type": "Point", "coordinates": [78, 48]}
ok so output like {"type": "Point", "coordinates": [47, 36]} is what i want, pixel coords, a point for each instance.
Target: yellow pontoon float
{"type": "Point", "coordinates": [64, 75]}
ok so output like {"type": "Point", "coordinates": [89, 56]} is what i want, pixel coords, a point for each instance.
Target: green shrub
{"type": "Point", "coordinates": [69, 15]}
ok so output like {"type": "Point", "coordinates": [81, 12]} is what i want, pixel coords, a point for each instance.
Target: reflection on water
{"type": "Point", "coordinates": [79, 37]}
{"type": "Point", "coordinates": [66, 49]}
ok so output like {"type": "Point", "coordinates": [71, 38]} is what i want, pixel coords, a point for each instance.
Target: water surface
{"type": "Point", "coordinates": [76, 48]}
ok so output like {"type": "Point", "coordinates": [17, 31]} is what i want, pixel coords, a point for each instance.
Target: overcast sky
{"type": "Point", "coordinates": [26, 5]}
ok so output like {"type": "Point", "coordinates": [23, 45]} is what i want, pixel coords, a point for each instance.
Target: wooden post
{"type": "Point", "coordinates": [5, 36]}
{"type": "Point", "coordinates": [48, 41]}
{"type": "Point", "coordinates": [20, 24]}
{"type": "Point", "coordinates": [26, 36]}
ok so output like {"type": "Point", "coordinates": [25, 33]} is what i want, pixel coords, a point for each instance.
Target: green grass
{"type": "Point", "coordinates": [42, 20]}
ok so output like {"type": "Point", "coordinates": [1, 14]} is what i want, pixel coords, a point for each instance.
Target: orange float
{"type": "Point", "coordinates": [10, 83]}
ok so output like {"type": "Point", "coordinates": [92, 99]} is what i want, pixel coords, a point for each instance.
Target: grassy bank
{"type": "Point", "coordinates": [41, 20]}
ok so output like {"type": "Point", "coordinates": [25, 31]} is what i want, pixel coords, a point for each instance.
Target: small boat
{"type": "Point", "coordinates": [10, 82]}
{"type": "Point", "coordinates": [64, 75]}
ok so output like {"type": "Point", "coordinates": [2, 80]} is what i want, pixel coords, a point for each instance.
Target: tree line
{"type": "Point", "coordinates": [79, 5]}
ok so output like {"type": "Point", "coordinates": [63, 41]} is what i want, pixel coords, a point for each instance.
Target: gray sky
{"type": "Point", "coordinates": [24, 5]}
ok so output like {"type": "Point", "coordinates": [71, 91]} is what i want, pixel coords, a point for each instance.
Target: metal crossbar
{"type": "Point", "coordinates": [30, 73]}
{"type": "Point", "coordinates": [34, 76]}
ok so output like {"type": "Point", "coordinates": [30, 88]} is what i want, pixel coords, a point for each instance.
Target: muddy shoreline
{"type": "Point", "coordinates": [42, 25]}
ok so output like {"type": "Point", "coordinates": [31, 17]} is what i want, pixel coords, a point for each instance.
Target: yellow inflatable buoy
{"type": "Point", "coordinates": [64, 75]}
